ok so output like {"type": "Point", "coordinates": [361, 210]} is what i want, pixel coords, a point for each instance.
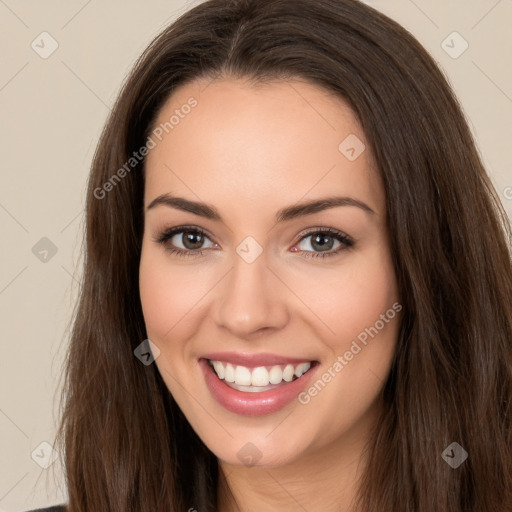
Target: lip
{"type": "Point", "coordinates": [255, 404]}
{"type": "Point", "coordinates": [253, 360]}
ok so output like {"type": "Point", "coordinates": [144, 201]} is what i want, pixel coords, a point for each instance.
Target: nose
{"type": "Point", "coordinates": [251, 300]}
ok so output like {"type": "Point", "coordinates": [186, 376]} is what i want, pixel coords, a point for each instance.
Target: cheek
{"type": "Point", "coordinates": [169, 295]}
{"type": "Point", "coordinates": [350, 298]}
{"type": "Point", "coordinates": [360, 343]}
{"type": "Point", "coordinates": [159, 299]}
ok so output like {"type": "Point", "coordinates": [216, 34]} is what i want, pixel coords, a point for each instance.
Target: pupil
{"type": "Point", "coordinates": [323, 242]}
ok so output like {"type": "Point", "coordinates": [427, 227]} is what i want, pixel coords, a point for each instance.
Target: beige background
{"type": "Point", "coordinates": [52, 113]}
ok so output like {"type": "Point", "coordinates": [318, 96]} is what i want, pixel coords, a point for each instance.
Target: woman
{"type": "Point", "coordinates": [298, 284]}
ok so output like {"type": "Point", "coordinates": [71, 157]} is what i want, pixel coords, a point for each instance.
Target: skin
{"type": "Point", "coordinates": [250, 151]}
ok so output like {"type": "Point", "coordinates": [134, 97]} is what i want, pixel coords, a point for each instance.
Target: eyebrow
{"type": "Point", "coordinates": [290, 212]}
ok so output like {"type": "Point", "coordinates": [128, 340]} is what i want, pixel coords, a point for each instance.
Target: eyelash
{"type": "Point", "coordinates": [167, 234]}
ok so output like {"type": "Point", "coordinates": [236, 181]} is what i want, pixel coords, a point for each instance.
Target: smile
{"type": "Point", "coordinates": [257, 379]}
{"type": "Point", "coordinates": [255, 388]}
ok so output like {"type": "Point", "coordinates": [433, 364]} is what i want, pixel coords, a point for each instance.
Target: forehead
{"type": "Point", "coordinates": [276, 142]}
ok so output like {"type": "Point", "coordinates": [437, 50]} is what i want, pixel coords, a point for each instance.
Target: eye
{"type": "Point", "coordinates": [323, 239]}
{"type": "Point", "coordinates": [190, 237]}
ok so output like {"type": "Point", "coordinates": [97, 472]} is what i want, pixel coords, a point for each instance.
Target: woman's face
{"type": "Point", "coordinates": [271, 294]}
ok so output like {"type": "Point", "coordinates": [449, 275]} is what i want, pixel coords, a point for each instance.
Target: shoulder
{"type": "Point", "coordinates": [56, 508]}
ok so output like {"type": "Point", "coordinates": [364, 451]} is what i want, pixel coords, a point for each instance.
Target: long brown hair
{"type": "Point", "coordinates": [126, 444]}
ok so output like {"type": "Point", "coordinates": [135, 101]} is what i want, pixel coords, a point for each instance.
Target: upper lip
{"type": "Point", "coordinates": [254, 360]}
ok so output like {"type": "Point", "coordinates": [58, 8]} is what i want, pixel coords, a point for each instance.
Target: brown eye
{"type": "Point", "coordinates": [192, 239]}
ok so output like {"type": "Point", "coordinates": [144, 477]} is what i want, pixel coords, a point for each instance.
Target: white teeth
{"type": "Point", "coordinates": [288, 373]}
{"type": "Point", "coordinates": [275, 375]}
{"type": "Point", "coordinates": [242, 376]}
{"type": "Point", "coordinates": [302, 369]}
{"type": "Point", "coordinates": [229, 374]}
{"type": "Point", "coordinates": [251, 389]}
{"type": "Point", "coordinates": [260, 376]}
{"type": "Point", "coordinates": [219, 369]}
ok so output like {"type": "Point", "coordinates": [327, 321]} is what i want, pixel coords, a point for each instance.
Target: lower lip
{"type": "Point", "coordinates": [254, 404]}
